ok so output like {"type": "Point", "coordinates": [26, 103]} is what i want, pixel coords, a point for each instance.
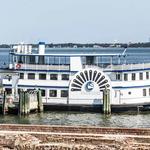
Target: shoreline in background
{"type": "Point", "coordinates": [87, 45]}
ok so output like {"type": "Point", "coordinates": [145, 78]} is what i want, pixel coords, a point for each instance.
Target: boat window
{"type": "Point", "coordinates": [41, 60]}
{"type": "Point", "coordinates": [64, 93]}
{"type": "Point", "coordinates": [31, 75]}
{"type": "Point", "coordinates": [133, 76]}
{"type": "Point", "coordinates": [21, 59]}
{"type": "Point", "coordinates": [65, 76]}
{"type": "Point", "coordinates": [43, 93]}
{"type": "Point", "coordinates": [53, 93]}
{"type": "Point", "coordinates": [144, 92]}
{"type": "Point", "coordinates": [53, 76]}
{"type": "Point", "coordinates": [42, 76]}
{"type": "Point", "coordinates": [125, 77]}
{"type": "Point", "coordinates": [141, 76]}
{"type": "Point", "coordinates": [149, 91]}
{"type": "Point", "coordinates": [118, 76]}
{"type": "Point", "coordinates": [8, 91]}
{"type": "Point", "coordinates": [21, 75]}
{"type": "Point", "coordinates": [147, 75]}
{"type": "Point", "coordinates": [58, 60]}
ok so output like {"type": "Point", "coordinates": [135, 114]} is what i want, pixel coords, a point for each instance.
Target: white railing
{"type": "Point", "coordinates": [119, 67]}
{"type": "Point", "coordinates": [44, 67]}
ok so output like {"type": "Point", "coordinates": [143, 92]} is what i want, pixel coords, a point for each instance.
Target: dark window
{"type": "Point", "coordinates": [64, 93]}
{"type": "Point", "coordinates": [118, 76]}
{"type": "Point", "coordinates": [65, 77]}
{"type": "Point", "coordinates": [141, 76]}
{"type": "Point", "coordinates": [42, 76]}
{"type": "Point", "coordinates": [31, 76]}
{"type": "Point", "coordinates": [149, 92]}
{"type": "Point", "coordinates": [53, 93]}
{"type": "Point", "coordinates": [21, 75]}
{"type": "Point", "coordinates": [133, 76]}
{"type": "Point", "coordinates": [8, 90]}
{"type": "Point", "coordinates": [125, 77]}
{"type": "Point", "coordinates": [147, 75]}
{"type": "Point", "coordinates": [43, 93]}
{"type": "Point", "coordinates": [53, 76]}
{"type": "Point", "coordinates": [31, 59]}
{"type": "Point", "coordinates": [144, 92]}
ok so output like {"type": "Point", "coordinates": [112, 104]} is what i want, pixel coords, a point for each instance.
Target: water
{"type": "Point", "coordinates": [129, 120]}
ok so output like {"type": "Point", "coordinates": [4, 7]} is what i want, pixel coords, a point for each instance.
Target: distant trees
{"type": "Point", "coordinates": [90, 45]}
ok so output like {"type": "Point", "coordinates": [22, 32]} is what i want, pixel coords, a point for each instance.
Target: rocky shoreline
{"type": "Point", "coordinates": [61, 140]}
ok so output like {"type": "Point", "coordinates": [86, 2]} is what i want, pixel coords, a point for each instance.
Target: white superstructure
{"type": "Point", "coordinates": [79, 75]}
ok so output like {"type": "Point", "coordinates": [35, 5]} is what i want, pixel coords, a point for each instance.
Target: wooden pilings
{"type": "Point", "coordinates": [106, 101]}
{"type": "Point", "coordinates": [24, 102]}
{"type": "Point", "coordinates": [39, 99]}
{"type": "Point", "coordinates": [4, 107]}
{"type": "Point", "coordinates": [30, 101]}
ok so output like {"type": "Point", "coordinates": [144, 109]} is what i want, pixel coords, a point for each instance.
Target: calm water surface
{"type": "Point", "coordinates": [129, 120]}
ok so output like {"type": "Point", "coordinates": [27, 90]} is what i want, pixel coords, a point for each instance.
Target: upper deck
{"type": "Point", "coordinates": [109, 59]}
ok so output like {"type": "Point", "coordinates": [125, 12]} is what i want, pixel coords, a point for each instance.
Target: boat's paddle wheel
{"type": "Point", "coordinates": [89, 84]}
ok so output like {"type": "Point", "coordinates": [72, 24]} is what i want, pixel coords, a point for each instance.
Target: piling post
{"type": "Point", "coordinates": [106, 101]}
{"type": "Point", "coordinates": [26, 103]}
{"type": "Point", "coordinates": [21, 102]}
{"type": "Point", "coordinates": [4, 107]}
{"type": "Point", "coordinates": [39, 99]}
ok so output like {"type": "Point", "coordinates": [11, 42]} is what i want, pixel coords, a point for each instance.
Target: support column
{"type": "Point", "coordinates": [4, 107]}
{"type": "Point", "coordinates": [106, 101]}
{"type": "Point", "coordinates": [24, 102]}
{"type": "Point", "coordinates": [39, 99]}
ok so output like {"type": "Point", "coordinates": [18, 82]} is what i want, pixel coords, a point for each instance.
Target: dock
{"type": "Point", "coordinates": [72, 137]}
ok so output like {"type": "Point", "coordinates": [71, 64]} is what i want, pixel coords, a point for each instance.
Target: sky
{"type": "Point", "coordinates": [77, 21]}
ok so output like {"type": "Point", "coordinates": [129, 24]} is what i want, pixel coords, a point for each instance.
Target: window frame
{"type": "Point", "coordinates": [147, 75]}
{"type": "Point", "coordinates": [40, 75]}
{"type": "Point", "coordinates": [144, 92]}
{"type": "Point", "coordinates": [53, 76]}
{"type": "Point", "coordinates": [141, 76]}
{"type": "Point", "coordinates": [65, 78]}
{"type": "Point", "coordinates": [21, 76]}
{"type": "Point", "coordinates": [125, 76]}
{"type": "Point", "coordinates": [133, 76]}
{"type": "Point", "coordinates": [53, 94]}
{"type": "Point", "coordinates": [65, 94]}
{"type": "Point", "coordinates": [32, 77]}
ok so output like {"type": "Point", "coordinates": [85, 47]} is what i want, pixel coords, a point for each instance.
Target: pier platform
{"type": "Point", "coordinates": [72, 137]}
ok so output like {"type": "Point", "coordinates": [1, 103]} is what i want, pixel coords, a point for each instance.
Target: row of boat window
{"type": "Point", "coordinates": [145, 92]}
{"type": "Point", "coordinates": [43, 76]}
{"type": "Point", "coordinates": [48, 60]}
{"type": "Point", "coordinates": [133, 76]}
{"type": "Point", "coordinates": [52, 93]}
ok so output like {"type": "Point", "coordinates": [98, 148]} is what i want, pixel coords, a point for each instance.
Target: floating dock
{"type": "Point", "coordinates": [70, 137]}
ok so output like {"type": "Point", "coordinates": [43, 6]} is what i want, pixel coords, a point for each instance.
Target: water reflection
{"type": "Point", "coordinates": [79, 118]}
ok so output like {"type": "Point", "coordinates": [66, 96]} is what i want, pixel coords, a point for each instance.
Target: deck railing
{"type": "Point", "coordinates": [119, 67]}
{"type": "Point", "coordinates": [43, 67]}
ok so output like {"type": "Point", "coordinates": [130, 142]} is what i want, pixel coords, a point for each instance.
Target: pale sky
{"type": "Point", "coordinates": [78, 21]}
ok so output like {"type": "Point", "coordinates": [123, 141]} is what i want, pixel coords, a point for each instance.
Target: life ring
{"type": "Point", "coordinates": [18, 66]}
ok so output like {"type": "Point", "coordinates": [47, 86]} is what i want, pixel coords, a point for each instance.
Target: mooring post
{"type": "Point", "coordinates": [26, 103]}
{"type": "Point", "coordinates": [4, 104]}
{"type": "Point", "coordinates": [39, 99]}
{"type": "Point", "coordinates": [106, 101]}
{"type": "Point", "coordinates": [21, 102]}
